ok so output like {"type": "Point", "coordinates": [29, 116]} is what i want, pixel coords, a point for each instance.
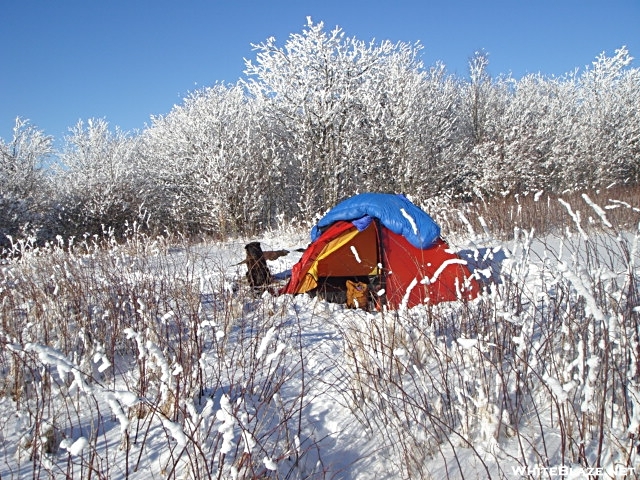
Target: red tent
{"type": "Point", "coordinates": [404, 274]}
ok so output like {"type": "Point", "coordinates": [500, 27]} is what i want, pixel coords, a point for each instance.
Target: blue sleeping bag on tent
{"type": "Point", "coordinates": [395, 212]}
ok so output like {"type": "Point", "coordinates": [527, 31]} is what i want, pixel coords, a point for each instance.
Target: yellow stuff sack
{"type": "Point", "coordinates": [357, 295]}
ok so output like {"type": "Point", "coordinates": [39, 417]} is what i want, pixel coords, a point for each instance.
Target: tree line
{"type": "Point", "coordinates": [314, 121]}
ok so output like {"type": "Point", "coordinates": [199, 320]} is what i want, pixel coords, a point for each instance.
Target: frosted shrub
{"type": "Point", "coordinates": [25, 188]}
{"type": "Point", "coordinates": [99, 182]}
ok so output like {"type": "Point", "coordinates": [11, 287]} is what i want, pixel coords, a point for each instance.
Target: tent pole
{"type": "Point", "coordinates": [382, 270]}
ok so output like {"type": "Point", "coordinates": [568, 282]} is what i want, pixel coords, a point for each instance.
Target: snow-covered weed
{"type": "Point", "coordinates": [131, 360]}
{"type": "Point", "coordinates": [541, 370]}
{"type": "Point", "coordinates": [150, 359]}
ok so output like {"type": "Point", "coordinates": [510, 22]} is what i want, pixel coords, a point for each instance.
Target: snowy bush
{"type": "Point", "coordinates": [24, 187]}
{"type": "Point", "coordinates": [211, 167]}
{"type": "Point", "coordinates": [99, 185]}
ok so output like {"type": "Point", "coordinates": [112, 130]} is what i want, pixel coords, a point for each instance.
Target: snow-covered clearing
{"type": "Point", "coordinates": [155, 362]}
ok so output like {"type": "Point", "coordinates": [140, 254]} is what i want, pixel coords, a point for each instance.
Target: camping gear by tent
{"type": "Point", "coordinates": [387, 242]}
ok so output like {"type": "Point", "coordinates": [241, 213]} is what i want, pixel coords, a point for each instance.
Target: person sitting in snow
{"type": "Point", "coordinates": [258, 273]}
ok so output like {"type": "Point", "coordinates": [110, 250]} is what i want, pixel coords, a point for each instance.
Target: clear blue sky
{"type": "Point", "coordinates": [125, 60]}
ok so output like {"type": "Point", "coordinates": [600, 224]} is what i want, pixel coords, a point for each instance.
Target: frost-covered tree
{"type": "Point", "coordinates": [306, 88]}
{"type": "Point", "coordinates": [527, 149]}
{"type": "Point", "coordinates": [23, 181]}
{"type": "Point", "coordinates": [436, 143]}
{"type": "Point", "coordinates": [478, 97]}
{"type": "Point", "coordinates": [210, 164]}
{"type": "Point", "coordinates": [553, 133]}
{"type": "Point", "coordinates": [338, 109]}
{"type": "Point", "coordinates": [483, 101]}
{"type": "Point", "coordinates": [609, 135]}
{"type": "Point", "coordinates": [539, 121]}
{"type": "Point", "coordinates": [401, 124]}
{"type": "Point", "coordinates": [98, 181]}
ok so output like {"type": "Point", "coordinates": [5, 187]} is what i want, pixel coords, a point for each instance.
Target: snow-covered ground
{"type": "Point", "coordinates": [182, 373]}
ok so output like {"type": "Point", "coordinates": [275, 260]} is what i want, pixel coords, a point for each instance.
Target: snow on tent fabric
{"type": "Point", "coordinates": [388, 242]}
